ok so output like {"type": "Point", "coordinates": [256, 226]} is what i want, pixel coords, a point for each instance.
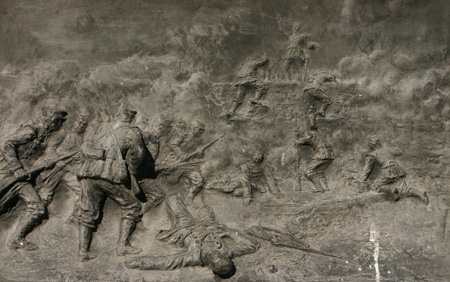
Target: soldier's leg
{"type": "Point", "coordinates": [323, 164]}
{"type": "Point", "coordinates": [261, 90]}
{"type": "Point", "coordinates": [323, 99]}
{"type": "Point", "coordinates": [180, 216]}
{"type": "Point", "coordinates": [91, 198]}
{"type": "Point", "coordinates": [287, 63]}
{"type": "Point", "coordinates": [405, 191]}
{"type": "Point", "coordinates": [238, 99]}
{"type": "Point", "coordinates": [47, 187]}
{"type": "Point", "coordinates": [312, 116]}
{"type": "Point", "coordinates": [132, 214]}
{"type": "Point", "coordinates": [196, 184]}
{"type": "Point", "coordinates": [384, 185]}
{"type": "Point", "coordinates": [71, 181]}
{"type": "Point", "coordinates": [34, 211]}
{"type": "Point", "coordinates": [314, 174]}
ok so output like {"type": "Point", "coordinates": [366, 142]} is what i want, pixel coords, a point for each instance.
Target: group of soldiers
{"type": "Point", "coordinates": [114, 161]}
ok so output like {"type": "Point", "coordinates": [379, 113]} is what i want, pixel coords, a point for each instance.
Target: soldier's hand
{"type": "Point", "coordinates": [21, 174]}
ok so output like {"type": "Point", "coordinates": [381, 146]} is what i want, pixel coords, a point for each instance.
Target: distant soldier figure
{"type": "Point", "coordinates": [317, 94]}
{"type": "Point", "coordinates": [207, 243]}
{"type": "Point", "coordinates": [247, 80]}
{"type": "Point", "coordinates": [392, 177]}
{"type": "Point", "coordinates": [255, 176]}
{"type": "Point", "coordinates": [113, 160]}
{"type": "Point", "coordinates": [322, 158]}
{"type": "Point", "coordinates": [296, 55]}
{"type": "Point", "coordinates": [21, 151]}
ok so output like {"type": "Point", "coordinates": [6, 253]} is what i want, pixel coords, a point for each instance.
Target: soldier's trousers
{"type": "Point", "coordinates": [93, 195]}
{"type": "Point", "coordinates": [34, 206]}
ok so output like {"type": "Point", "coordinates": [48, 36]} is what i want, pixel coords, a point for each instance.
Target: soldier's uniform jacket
{"type": "Point", "coordinates": [322, 150]}
{"type": "Point", "coordinates": [295, 48]}
{"type": "Point", "coordinates": [112, 153]}
{"type": "Point", "coordinates": [389, 167]}
{"type": "Point", "coordinates": [248, 72]}
{"type": "Point", "coordinates": [23, 147]}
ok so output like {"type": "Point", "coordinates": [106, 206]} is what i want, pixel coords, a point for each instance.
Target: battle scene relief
{"type": "Point", "coordinates": [198, 140]}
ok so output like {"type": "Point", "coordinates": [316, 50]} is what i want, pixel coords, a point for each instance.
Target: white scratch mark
{"type": "Point", "coordinates": [282, 159]}
{"type": "Point", "coordinates": [374, 238]}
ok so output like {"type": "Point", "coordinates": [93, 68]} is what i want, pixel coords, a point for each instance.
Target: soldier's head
{"type": "Point", "coordinates": [142, 122]}
{"type": "Point", "coordinates": [127, 114]}
{"type": "Point", "coordinates": [81, 124]}
{"type": "Point", "coordinates": [217, 256]}
{"type": "Point", "coordinates": [258, 157]}
{"type": "Point", "coordinates": [374, 142]}
{"type": "Point", "coordinates": [52, 118]}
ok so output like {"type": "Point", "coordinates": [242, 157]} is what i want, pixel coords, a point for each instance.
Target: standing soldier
{"type": "Point", "coordinates": [392, 178]}
{"type": "Point", "coordinates": [21, 151]}
{"type": "Point", "coordinates": [247, 80]}
{"type": "Point", "coordinates": [322, 158]}
{"type": "Point", "coordinates": [112, 162]}
{"type": "Point", "coordinates": [296, 54]}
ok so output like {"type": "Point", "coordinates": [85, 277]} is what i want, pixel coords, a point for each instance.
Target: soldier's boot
{"type": "Point", "coordinates": [123, 246]}
{"type": "Point", "coordinates": [419, 194]}
{"type": "Point", "coordinates": [24, 227]}
{"type": "Point", "coordinates": [85, 237]}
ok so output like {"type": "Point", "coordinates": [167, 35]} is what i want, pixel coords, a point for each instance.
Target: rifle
{"type": "Point", "coordinates": [8, 182]}
{"type": "Point", "coordinates": [279, 239]}
{"type": "Point", "coordinates": [201, 150]}
{"type": "Point", "coordinates": [165, 169]}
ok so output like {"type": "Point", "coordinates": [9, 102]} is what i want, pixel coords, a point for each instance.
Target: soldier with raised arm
{"type": "Point", "coordinates": [392, 177]}
{"type": "Point", "coordinates": [21, 150]}
{"type": "Point", "coordinates": [296, 54]}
